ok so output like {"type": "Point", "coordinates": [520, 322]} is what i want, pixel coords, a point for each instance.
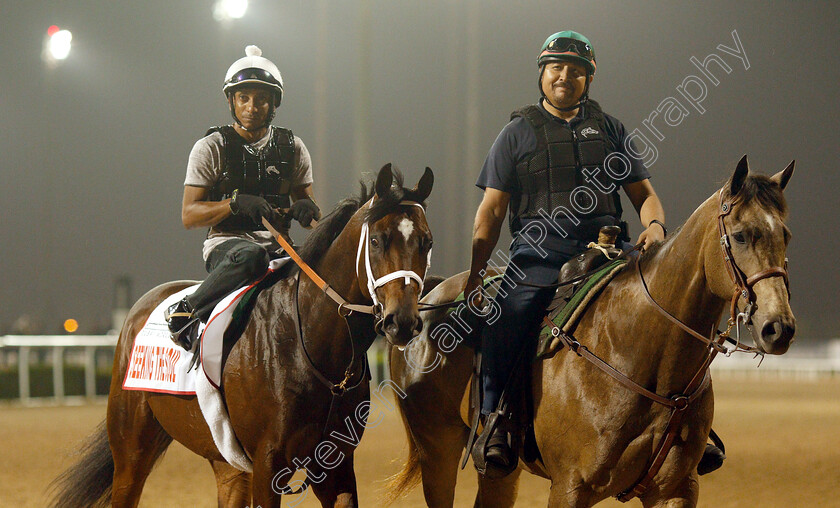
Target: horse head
{"type": "Point", "coordinates": [395, 247]}
{"type": "Point", "coordinates": [752, 234]}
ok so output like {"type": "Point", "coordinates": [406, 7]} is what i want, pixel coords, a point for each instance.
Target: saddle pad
{"type": "Point", "coordinates": [156, 363]}
{"type": "Point", "coordinates": [159, 365]}
{"type": "Point", "coordinates": [567, 315]}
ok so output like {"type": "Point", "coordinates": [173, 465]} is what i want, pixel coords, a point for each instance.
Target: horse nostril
{"type": "Point", "coordinates": [771, 331]}
{"type": "Point", "coordinates": [389, 325]}
{"type": "Point", "coordinates": [418, 326]}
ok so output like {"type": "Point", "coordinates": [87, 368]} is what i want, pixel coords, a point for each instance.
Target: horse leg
{"type": "Point", "coordinates": [338, 488]}
{"type": "Point", "coordinates": [137, 441]}
{"type": "Point", "coordinates": [684, 495]}
{"type": "Point", "coordinates": [500, 492]}
{"type": "Point", "coordinates": [233, 485]}
{"type": "Point", "coordinates": [563, 495]}
{"type": "Point", "coordinates": [439, 453]}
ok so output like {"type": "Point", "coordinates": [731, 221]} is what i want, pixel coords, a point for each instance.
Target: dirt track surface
{"type": "Point", "coordinates": [781, 437]}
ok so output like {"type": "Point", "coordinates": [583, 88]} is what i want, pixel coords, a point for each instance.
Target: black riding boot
{"type": "Point", "coordinates": [713, 456]}
{"type": "Point", "coordinates": [496, 451]}
{"type": "Point", "coordinates": [183, 323]}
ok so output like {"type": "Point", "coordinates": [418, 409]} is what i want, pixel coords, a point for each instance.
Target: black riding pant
{"type": "Point", "coordinates": [522, 309]}
{"type": "Point", "coordinates": [231, 265]}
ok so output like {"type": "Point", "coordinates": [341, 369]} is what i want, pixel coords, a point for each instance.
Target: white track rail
{"type": "Point", "coordinates": [25, 344]}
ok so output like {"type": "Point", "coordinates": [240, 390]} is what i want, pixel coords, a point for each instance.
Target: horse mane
{"type": "Point", "coordinates": [760, 188]}
{"type": "Point", "coordinates": [328, 229]}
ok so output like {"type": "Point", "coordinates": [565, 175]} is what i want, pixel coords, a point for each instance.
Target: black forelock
{"type": "Point", "coordinates": [328, 229]}
{"type": "Point", "coordinates": [387, 204]}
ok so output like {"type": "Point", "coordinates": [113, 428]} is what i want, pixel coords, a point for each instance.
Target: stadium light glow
{"type": "Point", "coordinates": [58, 44]}
{"type": "Point", "coordinates": [229, 9]}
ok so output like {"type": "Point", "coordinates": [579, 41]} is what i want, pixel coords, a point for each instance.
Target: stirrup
{"type": "Point", "coordinates": [182, 323]}
{"type": "Point", "coordinates": [187, 336]}
{"type": "Point", "coordinates": [497, 423]}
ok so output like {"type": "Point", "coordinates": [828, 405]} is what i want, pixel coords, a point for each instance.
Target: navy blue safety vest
{"type": "Point", "coordinates": [548, 177]}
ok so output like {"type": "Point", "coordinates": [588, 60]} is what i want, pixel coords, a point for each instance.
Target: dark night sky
{"type": "Point", "coordinates": [93, 152]}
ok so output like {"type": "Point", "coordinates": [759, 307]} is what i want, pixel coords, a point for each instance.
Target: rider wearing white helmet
{"type": "Point", "coordinates": [236, 175]}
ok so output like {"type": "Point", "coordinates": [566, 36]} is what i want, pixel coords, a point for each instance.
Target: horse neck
{"type": "Point", "coordinates": [677, 280]}
{"type": "Point", "coordinates": [328, 340]}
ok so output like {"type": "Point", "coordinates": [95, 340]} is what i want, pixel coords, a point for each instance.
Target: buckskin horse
{"type": "Point", "coordinates": [278, 384]}
{"type": "Point", "coordinates": [597, 438]}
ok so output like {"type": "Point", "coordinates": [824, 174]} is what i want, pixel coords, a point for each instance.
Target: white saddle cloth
{"type": "Point", "coordinates": [159, 365]}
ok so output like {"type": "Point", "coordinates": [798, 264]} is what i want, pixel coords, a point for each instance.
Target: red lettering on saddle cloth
{"type": "Point", "coordinates": [160, 368]}
{"type": "Point", "coordinates": [170, 360]}
{"type": "Point", "coordinates": [137, 362]}
{"type": "Point", "coordinates": [148, 364]}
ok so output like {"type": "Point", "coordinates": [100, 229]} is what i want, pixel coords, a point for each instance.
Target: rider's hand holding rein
{"type": "Point", "coordinates": [253, 207]}
{"type": "Point", "coordinates": [654, 233]}
{"type": "Point", "coordinates": [304, 211]}
{"type": "Point", "coordinates": [650, 210]}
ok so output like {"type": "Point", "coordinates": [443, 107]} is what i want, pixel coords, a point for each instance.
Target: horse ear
{"type": "Point", "coordinates": [384, 180]}
{"type": "Point", "coordinates": [424, 186]}
{"type": "Point", "coordinates": [740, 175]}
{"type": "Point", "coordinates": [783, 176]}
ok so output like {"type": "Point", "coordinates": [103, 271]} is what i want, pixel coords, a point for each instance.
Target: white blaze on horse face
{"type": "Point", "coordinates": [406, 227]}
{"type": "Point", "coordinates": [771, 221]}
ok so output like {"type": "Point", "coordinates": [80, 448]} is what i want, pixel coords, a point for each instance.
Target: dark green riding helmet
{"type": "Point", "coordinates": [570, 46]}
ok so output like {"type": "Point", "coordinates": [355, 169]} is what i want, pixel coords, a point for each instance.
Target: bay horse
{"type": "Point", "coordinates": [598, 438]}
{"type": "Point", "coordinates": [279, 408]}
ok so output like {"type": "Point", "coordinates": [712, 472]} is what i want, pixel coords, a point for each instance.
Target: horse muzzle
{"type": "Point", "coordinates": [774, 334]}
{"type": "Point", "coordinates": [400, 327]}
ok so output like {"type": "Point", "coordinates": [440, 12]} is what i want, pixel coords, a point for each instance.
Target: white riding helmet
{"type": "Point", "coordinates": [255, 70]}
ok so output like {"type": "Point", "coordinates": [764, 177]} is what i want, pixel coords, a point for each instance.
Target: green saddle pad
{"type": "Point", "coordinates": [585, 293]}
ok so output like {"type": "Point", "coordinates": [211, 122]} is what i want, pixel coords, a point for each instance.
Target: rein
{"type": "Point", "coordinates": [345, 308]}
{"type": "Point", "coordinates": [343, 305]}
{"type": "Point", "coordinates": [680, 402]}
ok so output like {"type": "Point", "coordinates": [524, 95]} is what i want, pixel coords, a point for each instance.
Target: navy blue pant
{"type": "Point", "coordinates": [522, 309]}
{"type": "Point", "coordinates": [231, 265]}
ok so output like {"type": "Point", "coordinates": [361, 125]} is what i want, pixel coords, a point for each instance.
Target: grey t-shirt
{"type": "Point", "coordinates": [205, 166]}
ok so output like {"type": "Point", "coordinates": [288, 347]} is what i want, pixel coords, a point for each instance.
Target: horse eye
{"type": "Point", "coordinates": [374, 242]}
{"type": "Point", "coordinates": [739, 237]}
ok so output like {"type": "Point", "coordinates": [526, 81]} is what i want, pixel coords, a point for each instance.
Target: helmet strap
{"type": "Point", "coordinates": [269, 118]}
{"type": "Point", "coordinates": [584, 98]}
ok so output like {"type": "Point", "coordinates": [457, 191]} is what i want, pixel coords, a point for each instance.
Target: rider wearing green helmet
{"type": "Point", "coordinates": [568, 46]}
{"type": "Point", "coordinates": [557, 167]}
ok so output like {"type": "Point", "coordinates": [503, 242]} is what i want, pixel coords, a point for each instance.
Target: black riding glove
{"type": "Point", "coordinates": [304, 210]}
{"type": "Point", "coordinates": [253, 207]}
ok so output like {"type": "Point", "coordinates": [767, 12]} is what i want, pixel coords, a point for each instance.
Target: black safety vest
{"type": "Point", "coordinates": [548, 177]}
{"type": "Point", "coordinates": [267, 172]}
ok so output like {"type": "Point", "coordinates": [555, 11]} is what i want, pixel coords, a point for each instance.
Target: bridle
{"type": "Point", "coordinates": [680, 402]}
{"type": "Point", "coordinates": [345, 308]}
{"type": "Point", "coordinates": [743, 284]}
{"type": "Point", "coordinates": [372, 282]}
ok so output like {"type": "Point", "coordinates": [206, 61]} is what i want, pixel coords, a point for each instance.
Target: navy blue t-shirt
{"type": "Point", "coordinates": [517, 142]}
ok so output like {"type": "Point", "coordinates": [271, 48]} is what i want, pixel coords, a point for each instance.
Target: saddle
{"type": "Point", "coordinates": [588, 274]}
